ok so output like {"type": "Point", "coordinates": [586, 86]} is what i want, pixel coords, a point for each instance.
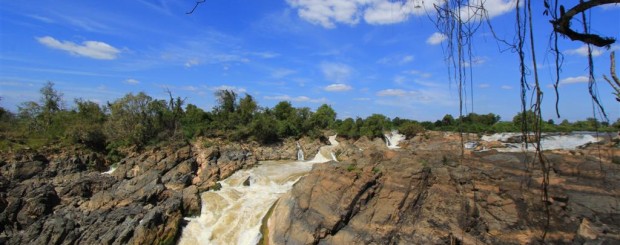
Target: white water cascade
{"type": "Point", "coordinates": [111, 170]}
{"type": "Point", "coordinates": [548, 141]}
{"type": "Point", "coordinates": [393, 139]}
{"type": "Point", "coordinates": [233, 214]}
{"type": "Point", "coordinates": [300, 153]}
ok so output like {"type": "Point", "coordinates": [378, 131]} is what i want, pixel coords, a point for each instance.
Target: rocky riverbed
{"type": "Point", "coordinates": [425, 193]}
{"type": "Point", "coordinates": [62, 196]}
{"type": "Point", "coordinates": [422, 193]}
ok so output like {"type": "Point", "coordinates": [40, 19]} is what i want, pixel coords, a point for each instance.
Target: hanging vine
{"type": "Point", "coordinates": [459, 35]}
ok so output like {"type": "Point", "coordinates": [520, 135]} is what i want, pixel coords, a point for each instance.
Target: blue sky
{"type": "Point", "coordinates": [359, 56]}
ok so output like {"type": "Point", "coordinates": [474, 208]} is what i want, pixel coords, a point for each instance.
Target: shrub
{"type": "Point", "coordinates": [411, 129]}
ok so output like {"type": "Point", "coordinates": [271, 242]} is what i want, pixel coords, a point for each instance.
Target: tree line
{"type": "Point", "coordinates": [138, 120]}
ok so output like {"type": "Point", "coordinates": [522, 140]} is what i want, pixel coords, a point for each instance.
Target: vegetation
{"type": "Point", "coordinates": [138, 120]}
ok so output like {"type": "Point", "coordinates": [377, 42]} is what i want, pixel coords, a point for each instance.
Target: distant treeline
{"type": "Point", "coordinates": [139, 120]}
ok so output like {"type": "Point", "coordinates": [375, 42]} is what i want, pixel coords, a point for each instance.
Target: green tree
{"type": "Point", "coordinates": [262, 130]}
{"type": "Point", "coordinates": [323, 118]}
{"type": "Point", "coordinates": [284, 110]}
{"type": "Point", "coordinates": [447, 120]}
{"type": "Point", "coordinates": [51, 101]}
{"type": "Point", "coordinates": [348, 129]}
{"type": "Point", "coordinates": [86, 125]}
{"type": "Point", "coordinates": [131, 120]}
{"type": "Point", "coordinates": [374, 126]}
{"type": "Point", "coordinates": [195, 121]}
{"type": "Point", "coordinates": [411, 129]}
{"type": "Point", "coordinates": [529, 117]}
{"type": "Point", "coordinates": [29, 113]}
{"type": "Point", "coordinates": [227, 100]}
{"type": "Point", "coordinates": [247, 109]}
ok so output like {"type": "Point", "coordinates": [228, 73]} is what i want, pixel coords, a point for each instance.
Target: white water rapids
{"type": "Point", "coordinates": [233, 214]}
{"type": "Point", "coordinates": [548, 141]}
{"type": "Point", "coordinates": [393, 139]}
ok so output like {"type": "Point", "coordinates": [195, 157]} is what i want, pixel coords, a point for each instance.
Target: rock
{"type": "Point", "coordinates": [63, 200]}
{"type": "Point", "coordinates": [247, 181]}
{"type": "Point", "coordinates": [26, 170]}
{"type": "Point", "coordinates": [416, 198]}
{"type": "Point", "coordinates": [37, 202]}
{"type": "Point", "coordinates": [586, 230]}
{"type": "Point", "coordinates": [191, 201]}
{"type": "Point", "coordinates": [160, 225]}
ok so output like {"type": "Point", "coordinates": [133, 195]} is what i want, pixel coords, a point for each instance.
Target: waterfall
{"type": "Point", "coordinates": [300, 153]}
{"type": "Point", "coordinates": [393, 138]}
{"type": "Point", "coordinates": [233, 214]}
{"type": "Point", "coordinates": [326, 153]}
{"type": "Point", "coordinates": [550, 141]}
{"type": "Point", "coordinates": [111, 170]}
{"type": "Point", "coordinates": [334, 157]}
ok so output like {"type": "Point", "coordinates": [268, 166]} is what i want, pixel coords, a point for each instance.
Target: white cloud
{"type": "Point", "coordinates": [381, 12]}
{"type": "Point", "coordinates": [392, 92]}
{"type": "Point", "coordinates": [436, 38]}
{"type": "Point", "coordinates": [190, 88]}
{"type": "Point", "coordinates": [132, 81]}
{"type": "Point", "coordinates": [396, 59]}
{"type": "Point", "coordinates": [91, 49]}
{"type": "Point", "coordinates": [578, 79]}
{"type": "Point", "coordinates": [506, 87]}
{"type": "Point", "coordinates": [295, 99]}
{"type": "Point", "coordinates": [280, 73]}
{"type": "Point", "coordinates": [400, 80]}
{"type": "Point", "coordinates": [230, 88]}
{"type": "Point", "coordinates": [389, 12]}
{"type": "Point", "coordinates": [406, 59]}
{"type": "Point", "coordinates": [325, 13]}
{"type": "Point", "coordinates": [265, 55]}
{"type": "Point", "coordinates": [484, 85]}
{"type": "Point", "coordinates": [583, 51]}
{"type": "Point", "coordinates": [493, 8]}
{"type": "Point", "coordinates": [399, 97]}
{"type": "Point", "coordinates": [419, 73]}
{"type": "Point", "coordinates": [361, 99]}
{"type": "Point", "coordinates": [338, 87]}
{"type": "Point", "coordinates": [336, 72]}
{"type": "Point", "coordinates": [476, 61]}
{"type": "Point", "coordinates": [42, 19]}
{"type": "Point", "coordinates": [192, 62]}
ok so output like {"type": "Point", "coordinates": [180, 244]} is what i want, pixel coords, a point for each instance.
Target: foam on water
{"type": "Point", "coordinates": [393, 139]}
{"type": "Point", "coordinates": [233, 214]}
{"type": "Point", "coordinates": [300, 153]}
{"type": "Point", "coordinates": [499, 136]}
{"type": "Point", "coordinates": [548, 142]}
{"type": "Point", "coordinates": [111, 170]}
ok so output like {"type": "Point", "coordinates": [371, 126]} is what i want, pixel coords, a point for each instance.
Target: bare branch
{"type": "Point", "coordinates": [562, 25]}
{"type": "Point", "coordinates": [612, 71]}
{"type": "Point", "coordinates": [198, 2]}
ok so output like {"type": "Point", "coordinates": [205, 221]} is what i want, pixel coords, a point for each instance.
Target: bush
{"type": "Point", "coordinates": [411, 129]}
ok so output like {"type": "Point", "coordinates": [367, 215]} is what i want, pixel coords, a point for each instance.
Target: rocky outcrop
{"type": "Point", "coordinates": [427, 194]}
{"type": "Point", "coordinates": [286, 150]}
{"type": "Point", "coordinates": [62, 198]}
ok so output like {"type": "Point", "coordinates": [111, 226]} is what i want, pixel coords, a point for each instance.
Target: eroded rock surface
{"type": "Point", "coordinates": [63, 198]}
{"type": "Point", "coordinates": [424, 194]}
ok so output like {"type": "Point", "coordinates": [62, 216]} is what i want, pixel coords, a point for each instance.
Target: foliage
{"type": "Point", "coordinates": [139, 120]}
{"type": "Point", "coordinates": [323, 118]}
{"type": "Point", "coordinates": [374, 126]}
{"type": "Point", "coordinates": [262, 129]}
{"type": "Point", "coordinates": [348, 128]}
{"type": "Point", "coordinates": [411, 129]}
{"type": "Point", "coordinates": [131, 119]}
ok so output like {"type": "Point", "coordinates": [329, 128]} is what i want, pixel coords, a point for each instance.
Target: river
{"type": "Point", "coordinates": [233, 214]}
